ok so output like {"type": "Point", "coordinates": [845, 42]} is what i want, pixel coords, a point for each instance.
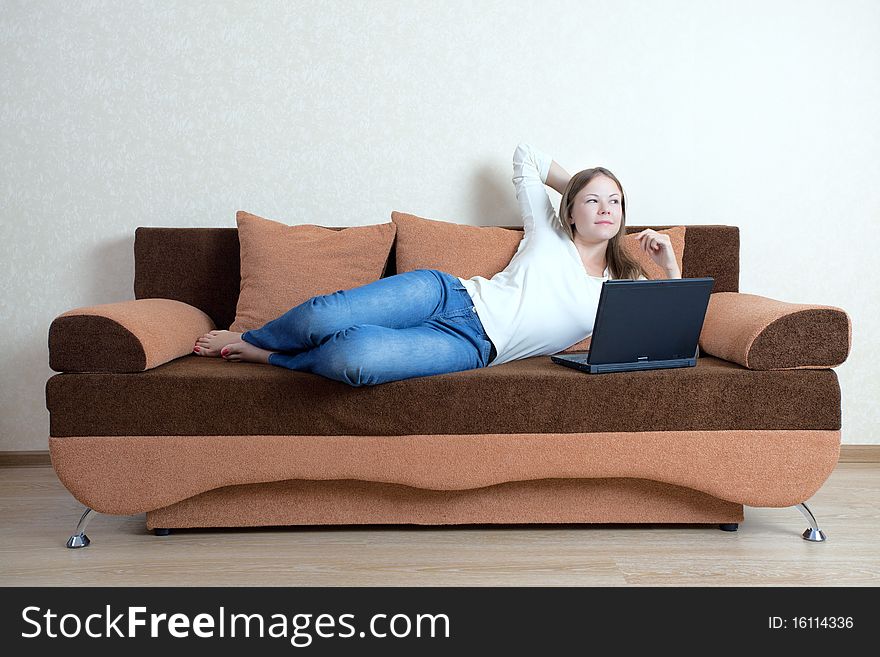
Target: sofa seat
{"type": "Point", "coordinates": [194, 395]}
{"type": "Point", "coordinates": [761, 438]}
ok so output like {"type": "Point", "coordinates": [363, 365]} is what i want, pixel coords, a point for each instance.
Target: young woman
{"type": "Point", "coordinates": [427, 321]}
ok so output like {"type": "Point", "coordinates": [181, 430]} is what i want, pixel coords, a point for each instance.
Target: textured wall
{"type": "Point", "coordinates": [122, 114]}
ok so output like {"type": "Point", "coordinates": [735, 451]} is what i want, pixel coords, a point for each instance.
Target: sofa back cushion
{"type": "Point", "coordinates": [457, 249]}
{"type": "Point", "coordinates": [282, 266]}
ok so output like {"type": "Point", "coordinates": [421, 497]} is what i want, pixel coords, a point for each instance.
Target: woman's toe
{"type": "Point", "coordinates": [231, 350]}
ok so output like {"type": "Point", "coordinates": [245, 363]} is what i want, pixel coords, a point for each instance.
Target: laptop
{"type": "Point", "coordinates": [645, 325]}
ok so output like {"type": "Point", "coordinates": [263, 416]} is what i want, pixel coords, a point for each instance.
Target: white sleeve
{"type": "Point", "coordinates": [530, 169]}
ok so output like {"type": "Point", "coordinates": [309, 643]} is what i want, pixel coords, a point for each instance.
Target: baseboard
{"type": "Point", "coordinates": [24, 459]}
{"type": "Point", "coordinates": [860, 453]}
{"type": "Point", "coordinates": [848, 454]}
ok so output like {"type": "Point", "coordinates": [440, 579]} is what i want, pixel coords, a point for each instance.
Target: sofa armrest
{"type": "Point", "coordinates": [126, 336]}
{"type": "Point", "coordinates": [765, 334]}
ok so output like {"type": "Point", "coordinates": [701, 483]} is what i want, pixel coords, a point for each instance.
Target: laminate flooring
{"type": "Point", "coordinates": [39, 515]}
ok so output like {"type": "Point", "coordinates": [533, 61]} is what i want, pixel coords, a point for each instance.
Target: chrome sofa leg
{"type": "Point", "coordinates": [79, 539]}
{"type": "Point", "coordinates": [813, 533]}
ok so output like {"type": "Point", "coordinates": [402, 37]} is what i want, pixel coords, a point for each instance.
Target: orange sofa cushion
{"type": "Point", "coordinates": [652, 270]}
{"type": "Point", "coordinates": [457, 249]}
{"type": "Point", "coordinates": [282, 266]}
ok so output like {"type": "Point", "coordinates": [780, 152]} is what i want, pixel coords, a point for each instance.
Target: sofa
{"type": "Point", "coordinates": [140, 424]}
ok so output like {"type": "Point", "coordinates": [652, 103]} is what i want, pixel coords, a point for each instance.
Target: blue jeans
{"type": "Point", "coordinates": [417, 323]}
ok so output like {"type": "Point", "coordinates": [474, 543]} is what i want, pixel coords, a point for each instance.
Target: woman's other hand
{"type": "Point", "coordinates": [659, 248]}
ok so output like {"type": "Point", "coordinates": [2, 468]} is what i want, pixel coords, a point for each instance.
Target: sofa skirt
{"type": "Point", "coordinates": [352, 502]}
{"type": "Point", "coordinates": [137, 474]}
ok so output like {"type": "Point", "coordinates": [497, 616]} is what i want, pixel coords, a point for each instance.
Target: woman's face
{"type": "Point", "coordinates": [597, 213]}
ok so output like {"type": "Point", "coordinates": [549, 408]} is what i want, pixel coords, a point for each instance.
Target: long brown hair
{"type": "Point", "coordinates": [620, 265]}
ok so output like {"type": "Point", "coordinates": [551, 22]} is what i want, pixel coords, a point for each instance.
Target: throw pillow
{"type": "Point", "coordinates": [653, 271]}
{"type": "Point", "coordinates": [282, 266]}
{"type": "Point", "coordinates": [458, 249]}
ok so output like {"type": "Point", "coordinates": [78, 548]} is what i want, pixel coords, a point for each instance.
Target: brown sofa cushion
{"type": "Point", "coordinates": [716, 394]}
{"type": "Point", "coordinates": [765, 334]}
{"type": "Point", "coordinates": [126, 336]}
{"type": "Point", "coordinates": [457, 249]}
{"type": "Point", "coordinates": [282, 266]}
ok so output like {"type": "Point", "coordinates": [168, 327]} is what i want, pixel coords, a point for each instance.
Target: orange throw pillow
{"type": "Point", "coordinates": [652, 270]}
{"type": "Point", "coordinates": [457, 249]}
{"type": "Point", "coordinates": [282, 266]}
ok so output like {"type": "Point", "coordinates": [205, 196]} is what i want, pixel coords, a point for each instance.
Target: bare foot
{"type": "Point", "coordinates": [245, 351]}
{"type": "Point", "coordinates": [212, 342]}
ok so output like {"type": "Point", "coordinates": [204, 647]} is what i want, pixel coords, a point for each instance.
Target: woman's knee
{"type": "Point", "coordinates": [319, 317]}
{"type": "Point", "coordinates": [352, 355]}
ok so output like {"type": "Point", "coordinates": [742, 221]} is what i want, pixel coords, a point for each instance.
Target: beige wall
{"type": "Point", "coordinates": [120, 114]}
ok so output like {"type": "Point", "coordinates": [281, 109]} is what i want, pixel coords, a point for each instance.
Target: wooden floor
{"type": "Point", "coordinates": [39, 515]}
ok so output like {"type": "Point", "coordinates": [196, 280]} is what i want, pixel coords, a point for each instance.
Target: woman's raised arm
{"type": "Point", "coordinates": [531, 172]}
{"type": "Point", "coordinates": [557, 177]}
